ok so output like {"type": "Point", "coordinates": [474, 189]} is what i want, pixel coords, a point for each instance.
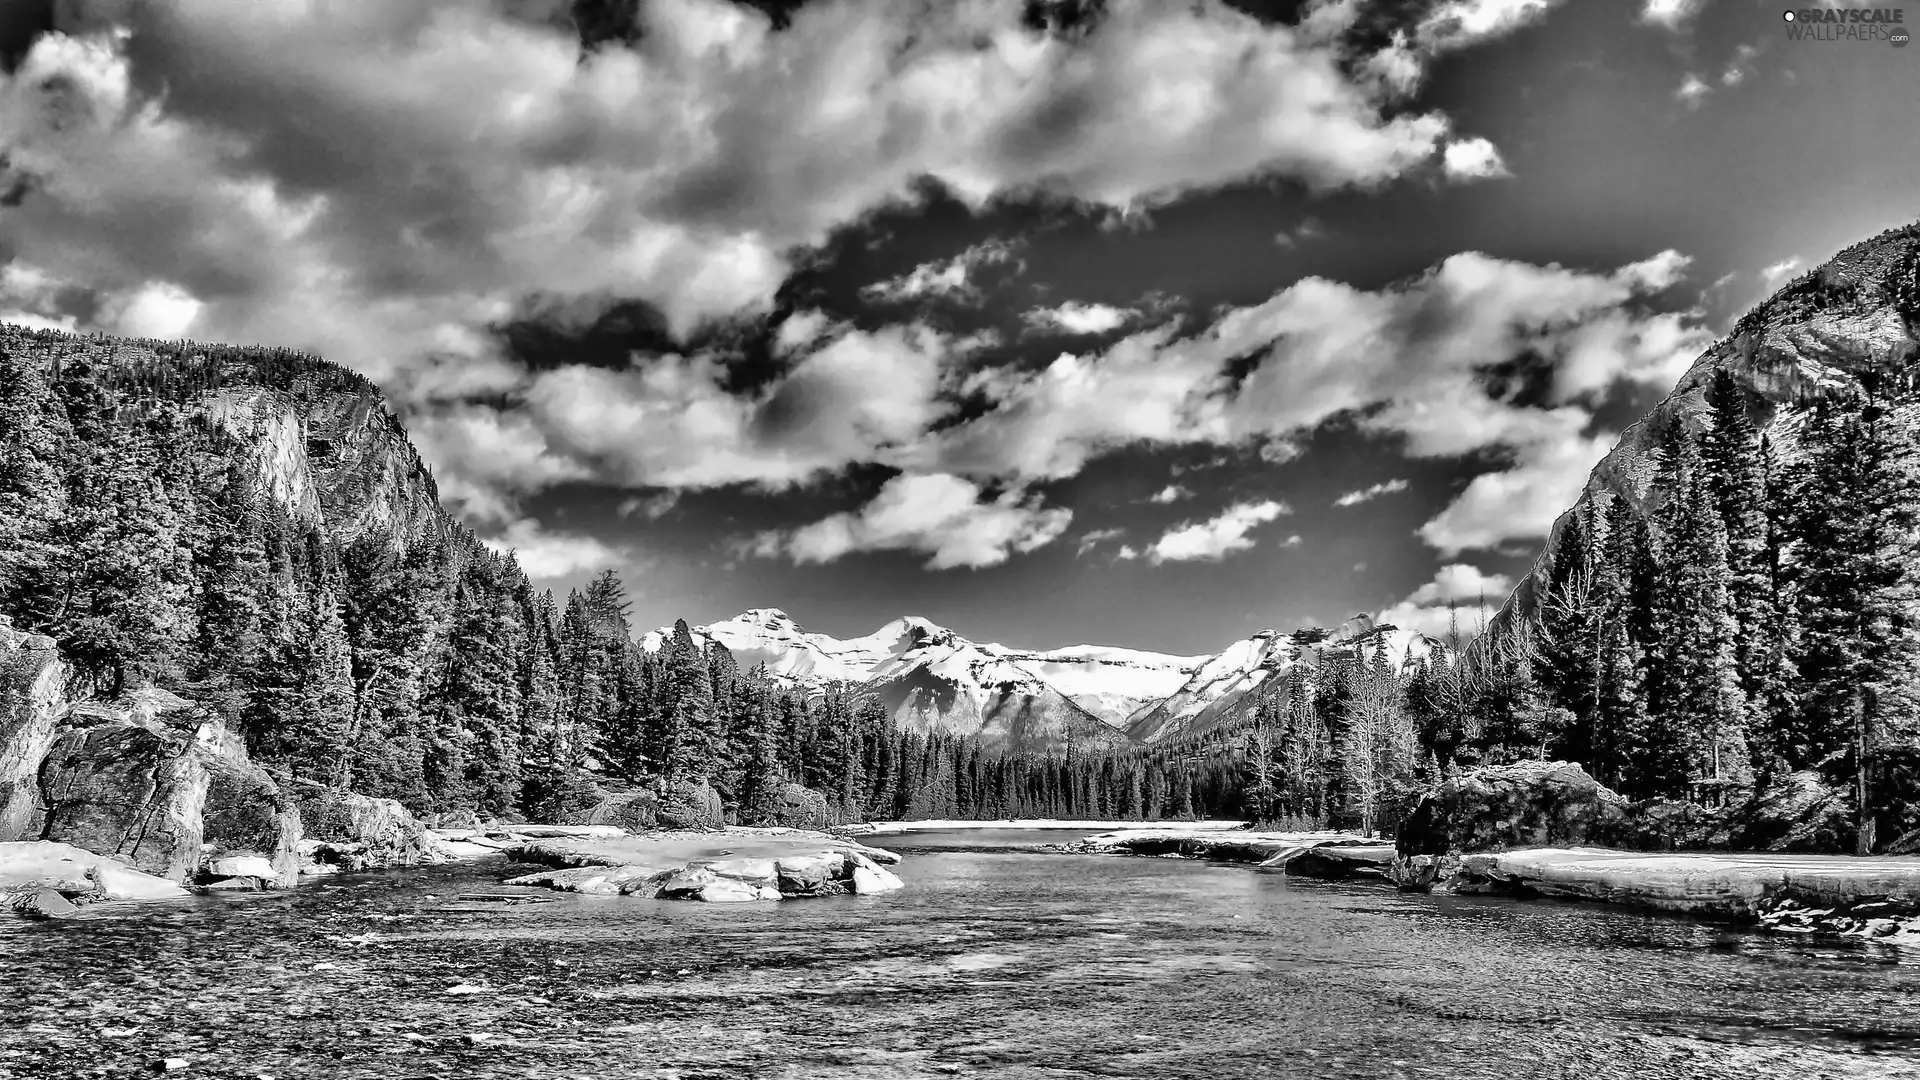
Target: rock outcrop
{"type": "Point", "coordinates": [731, 865]}
{"type": "Point", "coordinates": [32, 702]}
{"type": "Point", "coordinates": [167, 787]}
{"type": "Point", "coordinates": [1526, 804]}
{"type": "Point", "coordinates": [346, 831]}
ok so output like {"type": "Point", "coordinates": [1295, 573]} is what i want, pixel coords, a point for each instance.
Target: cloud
{"type": "Point", "coordinates": [1473, 159]}
{"type": "Point", "coordinates": [1459, 594]}
{"type": "Point", "coordinates": [1518, 503]}
{"type": "Point", "coordinates": [546, 555]}
{"type": "Point", "coordinates": [1775, 275]}
{"type": "Point", "coordinates": [1673, 15]}
{"type": "Point", "coordinates": [1693, 90]}
{"type": "Point", "coordinates": [1091, 540]}
{"type": "Point", "coordinates": [951, 279]}
{"type": "Point", "coordinates": [948, 518]}
{"type": "Point", "coordinates": [1077, 318]}
{"type": "Point", "coordinates": [1171, 493]}
{"type": "Point", "coordinates": [670, 420]}
{"type": "Point", "coordinates": [1409, 361]}
{"type": "Point", "coordinates": [1217, 537]}
{"type": "Point", "coordinates": [386, 183]}
{"type": "Point", "coordinates": [1385, 487]}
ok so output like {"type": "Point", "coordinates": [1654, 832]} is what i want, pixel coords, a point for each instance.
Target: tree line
{"type": "Point", "coordinates": [426, 668]}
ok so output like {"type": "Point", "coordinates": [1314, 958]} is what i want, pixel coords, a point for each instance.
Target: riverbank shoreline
{"type": "Point", "coordinates": [1875, 897]}
{"type": "Point", "coordinates": [894, 828]}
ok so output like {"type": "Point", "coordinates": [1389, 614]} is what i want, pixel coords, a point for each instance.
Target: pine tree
{"type": "Point", "coordinates": [1696, 702]}
{"type": "Point", "coordinates": [1734, 468]}
{"type": "Point", "coordinates": [1858, 511]}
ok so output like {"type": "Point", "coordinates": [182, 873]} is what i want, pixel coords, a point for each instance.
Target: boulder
{"type": "Point", "coordinates": [1524, 805]}
{"type": "Point", "coordinates": [632, 811]}
{"type": "Point", "coordinates": [687, 882]}
{"type": "Point", "coordinates": [802, 808]}
{"type": "Point", "coordinates": [241, 866]}
{"type": "Point", "coordinates": [805, 875]}
{"type": "Point", "coordinates": [360, 832]}
{"type": "Point", "coordinates": [692, 805]}
{"type": "Point", "coordinates": [38, 902]}
{"type": "Point", "coordinates": [159, 782]}
{"type": "Point", "coordinates": [32, 700]}
{"type": "Point", "coordinates": [1798, 812]}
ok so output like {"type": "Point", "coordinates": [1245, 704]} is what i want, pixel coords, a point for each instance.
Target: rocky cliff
{"type": "Point", "coordinates": [1819, 332]}
{"type": "Point", "coordinates": [319, 440]}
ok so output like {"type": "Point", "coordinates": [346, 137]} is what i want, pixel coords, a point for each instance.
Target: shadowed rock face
{"type": "Point", "coordinates": [32, 684]}
{"type": "Point", "coordinates": [153, 781]}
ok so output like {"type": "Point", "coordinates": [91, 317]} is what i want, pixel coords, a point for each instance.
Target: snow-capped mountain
{"type": "Point", "coordinates": [1223, 688]}
{"type": "Point", "coordinates": [1081, 695]}
{"type": "Point", "coordinates": [935, 679]}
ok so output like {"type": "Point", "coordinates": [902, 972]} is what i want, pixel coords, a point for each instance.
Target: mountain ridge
{"type": "Point", "coordinates": [934, 678]}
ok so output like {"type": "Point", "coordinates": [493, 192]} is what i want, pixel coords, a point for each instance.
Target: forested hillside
{"type": "Point", "coordinates": [1730, 618]}
{"type": "Point", "coordinates": [250, 528]}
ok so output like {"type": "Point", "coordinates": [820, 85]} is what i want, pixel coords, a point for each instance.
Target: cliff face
{"type": "Point", "coordinates": [1820, 332]}
{"type": "Point", "coordinates": [336, 458]}
{"type": "Point", "coordinates": [32, 703]}
{"type": "Point", "coordinates": [320, 441]}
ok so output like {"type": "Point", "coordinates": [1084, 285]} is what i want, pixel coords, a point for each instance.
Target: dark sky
{"type": "Point", "coordinates": [1050, 335]}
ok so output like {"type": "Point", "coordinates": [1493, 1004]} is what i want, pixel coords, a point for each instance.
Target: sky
{"type": "Point", "coordinates": [1133, 323]}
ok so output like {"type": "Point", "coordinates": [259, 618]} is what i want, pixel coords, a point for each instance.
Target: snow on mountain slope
{"type": "Point", "coordinates": [1224, 687]}
{"type": "Point", "coordinates": [1083, 695]}
{"type": "Point", "coordinates": [936, 679]}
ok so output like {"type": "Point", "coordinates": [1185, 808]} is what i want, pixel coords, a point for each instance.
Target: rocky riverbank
{"type": "Point", "coordinates": [1548, 830]}
{"type": "Point", "coordinates": [724, 866]}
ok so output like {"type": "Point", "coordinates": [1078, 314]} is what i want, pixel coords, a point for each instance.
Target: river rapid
{"type": "Point", "coordinates": [999, 960]}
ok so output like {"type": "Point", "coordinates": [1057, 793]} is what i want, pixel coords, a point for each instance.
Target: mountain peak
{"type": "Point", "coordinates": [765, 616]}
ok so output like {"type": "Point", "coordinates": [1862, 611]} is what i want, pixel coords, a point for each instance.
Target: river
{"type": "Point", "coordinates": [997, 961]}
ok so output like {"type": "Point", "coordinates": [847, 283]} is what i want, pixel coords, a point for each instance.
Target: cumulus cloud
{"type": "Point", "coordinates": [1170, 493]}
{"type": "Point", "coordinates": [1519, 503]}
{"type": "Point", "coordinates": [546, 555]}
{"type": "Point", "coordinates": [1077, 318]}
{"type": "Point", "coordinates": [1410, 361]}
{"type": "Point", "coordinates": [385, 183]}
{"type": "Point", "coordinates": [1093, 539]}
{"type": "Point", "coordinates": [670, 420]}
{"type": "Point", "coordinates": [1693, 90]}
{"type": "Point", "coordinates": [947, 517]}
{"type": "Point", "coordinates": [1366, 494]}
{"type": "Point", "coordinates": [1474, 159]}
{"type": "Point", "coordinates": [1217, 537]}
{"type": "Point", "coordinates": [952, 279]}
{"type": "Point", "coordinates": [1459, 595]}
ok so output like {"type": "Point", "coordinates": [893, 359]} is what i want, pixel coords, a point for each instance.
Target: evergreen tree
{"type": "Point", "coordinates": [1858, 511]}
{"type": "Point", "coordinates": [1695, 703]}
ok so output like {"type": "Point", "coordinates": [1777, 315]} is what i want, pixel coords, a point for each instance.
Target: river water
{"type": "Point", "coordinates": [997, 961]}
